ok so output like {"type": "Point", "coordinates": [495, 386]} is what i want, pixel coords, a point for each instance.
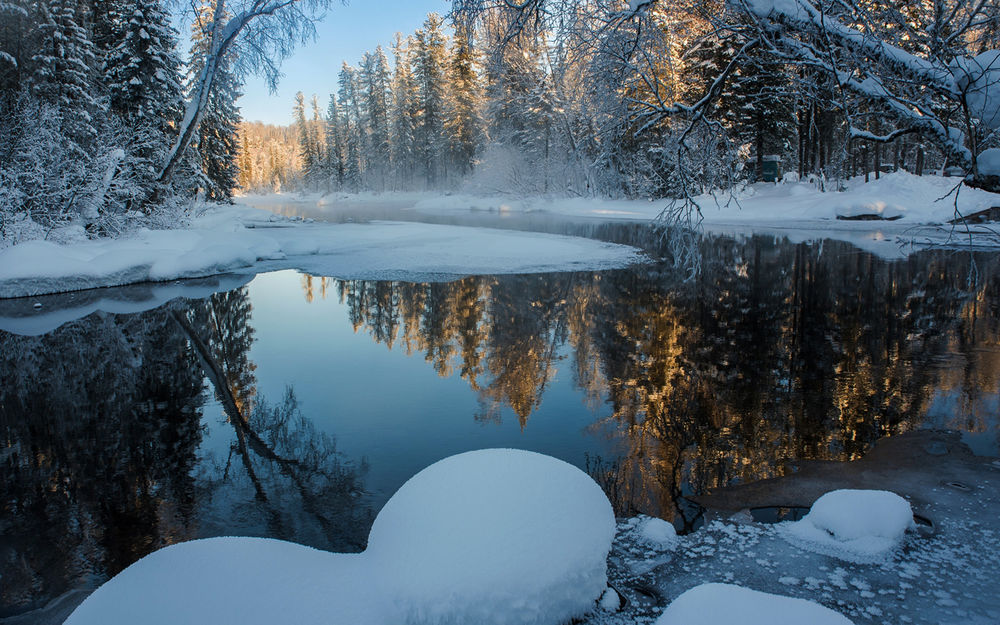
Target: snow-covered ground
{"type": "Point", "coordinates": [903, 211]}
{"type": "Point", "coordinates": [889, 217]}
{"type": "Point", "coordinates": [941, 571]}
{"type": "Point", "coordinates": [247, 240]}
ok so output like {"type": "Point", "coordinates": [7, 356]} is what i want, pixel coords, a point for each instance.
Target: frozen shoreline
{"type": "Point", "coordinates": [240, 239]}
{"type": "Point", "coordinates": [890, 217]}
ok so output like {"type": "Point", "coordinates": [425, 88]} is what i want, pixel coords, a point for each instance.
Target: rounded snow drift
{"type": "Point", "coordinates": [495, 536]}
{"type": "Point", "coordinates": [712, 604]}
{"type": "Point", "coordinates": [489, 537]}
{"type": "Point", "coordinates": [856, 525]}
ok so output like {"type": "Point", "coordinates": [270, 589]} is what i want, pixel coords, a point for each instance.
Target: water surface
{"type": "Point", "coordinates": [295, 405]}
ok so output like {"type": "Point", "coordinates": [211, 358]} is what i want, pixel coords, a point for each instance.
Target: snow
{"type": "Point", "coordinates": [853, 525]}
{"type": "Point", "coordinates": [491, 536]}
{"type": "Point", "coordinates": [721, 604]}
{"type": "Point", "coordinates": [29, 317]}
{"type": "Point", "coordinates": [903, 212]}
{"type": "Point", "coordinates": [495, 536]}
{"type": "Point", "coordinates": [239, 239]}
{"type": "Point", "coordinates": [979, 79]}
{"type": "Point", "coordinates": [657, 532]}
{"type": "Point", "coordinates": [989, 162]}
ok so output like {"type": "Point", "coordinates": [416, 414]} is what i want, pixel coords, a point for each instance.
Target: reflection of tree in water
{"type": "Point", "coordinates": [101, 424]}
{"type": "Point", "coordinates": [294, 484]}
{"type": "Point", "coordinates": [775, 352]}
{"type": "Point", "coordinates": [101, 420]}
{"type": "Point", "coordinates": [500, 333]}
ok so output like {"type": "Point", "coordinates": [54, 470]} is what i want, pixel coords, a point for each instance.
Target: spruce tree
{"type": "Point", "coordinates": [464, 123]}
{"type": "Point", "coordinates": [334, 145]}
{"type": "Point", "coordinates": [353, 128]}
{"type": "Point", "coordinates": [63, 72]}
{"type": "Point", "coordinates": [375, 78]}
{"type": "Point", "coordinates": [141, 68]}
{"type": "Point", "coordinates": [429, 72]}
{"type": "Point", "coordinates": [14, 21]}
{"type": "Point", "coordinates": [405, 113]}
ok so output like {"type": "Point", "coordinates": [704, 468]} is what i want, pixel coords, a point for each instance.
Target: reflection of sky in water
{"type": "Point", "coordinates": [385, 405]}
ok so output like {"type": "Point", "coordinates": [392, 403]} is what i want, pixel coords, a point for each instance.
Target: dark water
{"type": "Point", "coordinates": [294, 406]}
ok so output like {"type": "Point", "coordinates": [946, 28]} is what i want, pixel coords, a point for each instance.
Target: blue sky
{"type": "Point", "coordinates": [344, 35]}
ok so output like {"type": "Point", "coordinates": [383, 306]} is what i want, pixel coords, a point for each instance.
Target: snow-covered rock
{"type": "Point", "coordinates": [721, 604]}
{"type": "Point", "coordinates": [656, 533]}
{"type": "Point", "coordinates": [491, 536]}
{"type": "Point", "coordinates": [855, 525]}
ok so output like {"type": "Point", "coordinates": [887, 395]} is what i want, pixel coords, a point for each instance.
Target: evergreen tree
{"type": "Point", "coordinates": [352, 127]}
{"type": "Point", "coordinates": [430, 72]}
{"type": "Point", "coordinates": [464, 124]}
{"type": "Point", "coordinates": [63, 72]}
{"type": "Point", "coordinates": [14, 20]}
{"type": "Point", "coordinates": [317, 144]}
{"type": "Point", "coordinates": [375, 78]}
{"type": "Point", "coordinates": [405, 113]}
{"type": "Point", "coordinates": [755, 105]}
{"type": "Point", "coordinates": [334, 145]}
{"type": "Point", "coordinates": [306, 150]}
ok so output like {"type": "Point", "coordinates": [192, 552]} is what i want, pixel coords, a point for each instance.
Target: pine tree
{"type": "Point", "coordinates": [464, 124]}
{"type": "Point", "coordinates": [430, 66]}
{"type": "Point", "coordinates": [404, 112]}
{"type": "Point", "coordinates": [218, 142]}
{"type": "Point", "coordinates": [63, 72]}
{"type": "Point", "coordinates": [334, 145]}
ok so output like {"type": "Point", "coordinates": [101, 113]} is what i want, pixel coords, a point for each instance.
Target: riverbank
{"type": "Point", "coordinates": [890, 217]}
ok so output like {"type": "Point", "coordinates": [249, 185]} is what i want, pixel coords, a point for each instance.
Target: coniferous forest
{"type": "Point", "coordinates": [657, 99]}
{"type": "Point", "coordinates": [107, 123]}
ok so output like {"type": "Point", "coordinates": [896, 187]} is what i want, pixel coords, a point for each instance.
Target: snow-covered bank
{"type": "Point", "coordinates": [889, 216]}
{"type": "Point", "coordinates": [492, 536]}
{"type": "Point", "coordinates": [244, 240]}
{"type": "Point", "coordinates": [912, 200]}
{"type": "Point", "coordinates": [31, 317]}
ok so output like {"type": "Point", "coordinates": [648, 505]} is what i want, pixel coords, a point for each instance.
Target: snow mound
{"type": "Point", "coordinates": [862, 526]}
{"type": "Point", "coordinates": [656, 533]}
{"type": "Point", "coordinates": [716, 604]}
{"type": "Point", "coordinates": [988, 162]}
{"type": "Point", "coordinates": [497, 536]}
{"type": "Point", "coordinates": [492, 536]}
